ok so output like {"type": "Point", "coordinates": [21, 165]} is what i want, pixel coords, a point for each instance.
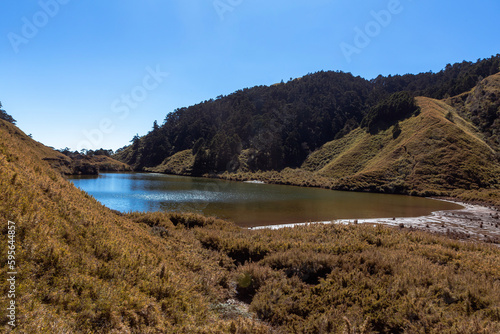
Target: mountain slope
{"type": "Point", "coordinates": [435, 150]}
{"type": "Point", "coordinates": [83, 268]}
{"type": "Point", "coordinates": [62, 163]}
{"type": "Point", "coordinates": [38, 150]}
{"type": "Point", "coordinates": [481, 106]}
{"type": "Point", "coordinates": [447, 147]}
{"type": "Point", "coordinates": [282, 124]}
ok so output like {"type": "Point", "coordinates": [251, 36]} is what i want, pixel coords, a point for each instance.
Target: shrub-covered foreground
{"type": "Point", "coordinates": [83, 268]}
{"type": "Point", "coordinates": [327, 278]}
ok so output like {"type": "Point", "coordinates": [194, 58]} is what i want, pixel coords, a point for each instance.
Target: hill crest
{"type": "Point", "coordinates": [449, 144]}
{"type": "Point", "coordinates": [436, 150]}
{"type": "Point", "coordinates": [76, 165]}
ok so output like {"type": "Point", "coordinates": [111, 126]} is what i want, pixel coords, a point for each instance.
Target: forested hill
{"type": "Point", "coordinates": [83, 268]}
{"type": "Point", "coordinates": [270, 128]}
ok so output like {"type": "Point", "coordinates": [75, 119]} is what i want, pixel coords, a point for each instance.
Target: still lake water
{"type": "Point", "coordinates": [247, 204]}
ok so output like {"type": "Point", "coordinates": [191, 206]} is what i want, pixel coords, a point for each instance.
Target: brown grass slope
{"type": "Point", "coordinates": [481, 106]}
{"type": "Point", "coordinates": [97, 163]}
{"type": "Point", "coordinates": [56, 159]}
{"type": "Point", "coordinates": [60, 162]}
{"type": "Point", "coordinates": [180, 163]}
{"type": "Point", "coordinates": [436, 151]}
{"type": "Point", "coordinates": [85, 269]}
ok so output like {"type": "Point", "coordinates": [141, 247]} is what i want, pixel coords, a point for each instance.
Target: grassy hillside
{"type": "Point", "coordinates": [85, 269]}
{"type": "Point", "coordinates": [38, 150]}
{"type": "Point", "coordinates": [60, 162]}
{"type": "Point", "coordinates": [180, 163]}
{"type": "Point", "coordinates": [436, 150]}
{"type": "Point", "coordinates": [82, 164]}
{"type": "Point", "coordinates": [481, 106]}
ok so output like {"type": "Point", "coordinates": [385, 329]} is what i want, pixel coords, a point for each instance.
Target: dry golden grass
{"type": "Point", "coordinates": [104, 164]}
{"type": "Point", "coordinates": [432, 153]}
{"type": "Point", "coordinates": [86, 269]}
{"type": "Point", "coordinates": [480, 196]}
{"type": "Point", "coordinates": [180, 163]}
{"type": "Point", "coordinates": [309, 279]}
{"type": "Point", "coordinates": [61, 162]}
{"type": "Point", "coordinates": [83, 268]}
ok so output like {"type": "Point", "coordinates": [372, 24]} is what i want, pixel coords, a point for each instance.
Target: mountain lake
{"type": "Point", "coordinates": [248, 204]}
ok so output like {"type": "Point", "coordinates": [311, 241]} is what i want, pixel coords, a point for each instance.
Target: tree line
{"type": "Point", "coordinates": [278, 126]}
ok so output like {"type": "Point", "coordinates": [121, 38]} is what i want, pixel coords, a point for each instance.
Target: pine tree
{"type": "Point", "coordinates": [5, 116]}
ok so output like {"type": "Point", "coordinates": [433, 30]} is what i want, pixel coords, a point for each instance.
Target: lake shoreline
{"type": "Point", "coordinates": [248, 204]}
{"type": "Point", "coordinates": [473, 222]}
{"type": "Point", "coordinates": [305, 179]}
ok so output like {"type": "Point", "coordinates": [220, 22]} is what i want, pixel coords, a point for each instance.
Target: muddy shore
{"type": "Point", "coordinates": [473, 222]}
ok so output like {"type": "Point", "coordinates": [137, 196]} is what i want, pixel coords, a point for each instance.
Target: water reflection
{"type": "Point", "coordinates": [245, 203]}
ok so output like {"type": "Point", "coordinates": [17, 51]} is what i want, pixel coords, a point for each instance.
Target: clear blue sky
{"type": "Point", "coordinates": [67, 66]}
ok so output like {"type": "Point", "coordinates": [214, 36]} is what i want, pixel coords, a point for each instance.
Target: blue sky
{"type": "Point", "coordinates": [94, 73]}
